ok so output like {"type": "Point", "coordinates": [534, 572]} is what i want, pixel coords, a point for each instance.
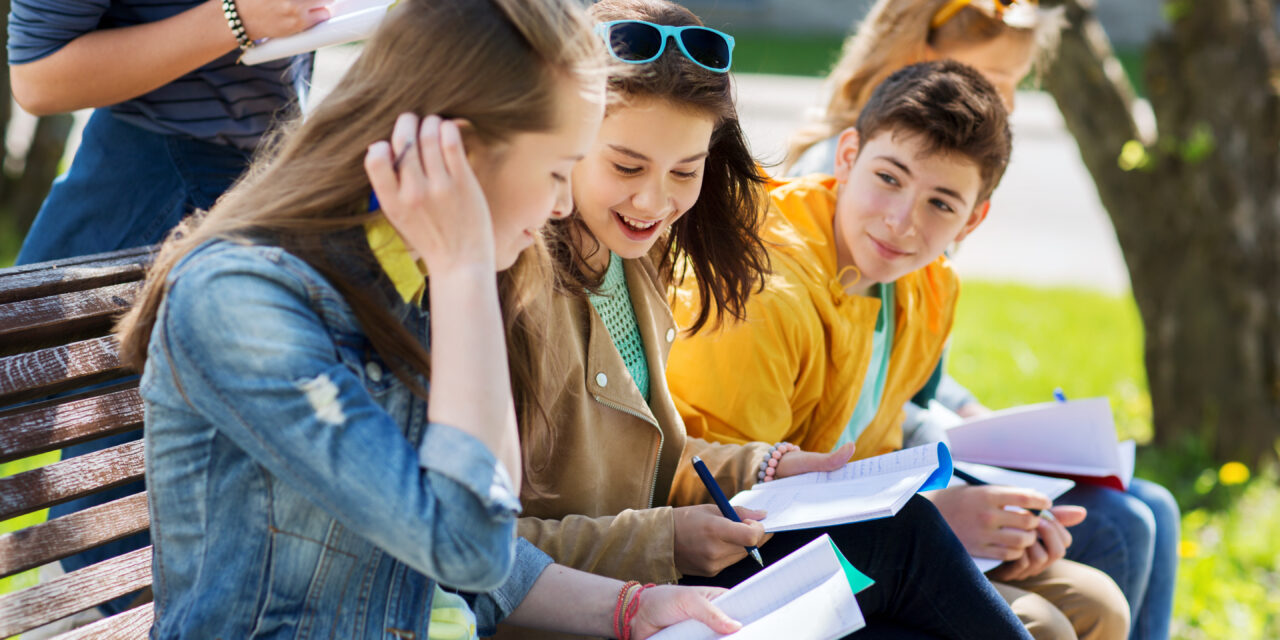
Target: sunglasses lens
{"type": "Point", "coordinates": [706, 47]}
{"type": "Point", "coordinates": [635, 42]}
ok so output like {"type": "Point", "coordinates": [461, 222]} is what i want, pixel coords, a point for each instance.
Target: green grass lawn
{"type": "Point", "coordinates": [1014, 344]}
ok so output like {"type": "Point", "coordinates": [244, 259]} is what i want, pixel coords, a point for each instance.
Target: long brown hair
{"type": "Point", "coordinates": [898, 33]}
{"type": "Point", "coordinates": [496, 63]}
{"type": "Point", "coordinates": [717, 238]}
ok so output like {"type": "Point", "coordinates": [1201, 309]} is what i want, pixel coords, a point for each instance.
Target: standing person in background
{"type": "Point", "coordinates": [175, 122]}
{"type": "Point", "coordinates": [1131, 536]}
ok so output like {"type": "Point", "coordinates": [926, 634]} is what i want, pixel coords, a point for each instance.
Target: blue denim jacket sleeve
{"type": "Point", "coordinates": [255, 358]}
{"type": "Point", "coordinates": [494, 606]}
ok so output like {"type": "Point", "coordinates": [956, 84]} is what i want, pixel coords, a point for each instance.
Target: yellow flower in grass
{"type": "Point", "coordinates": [1233, 473]}
{"type": "Point", "coordinates": [1188, 549]}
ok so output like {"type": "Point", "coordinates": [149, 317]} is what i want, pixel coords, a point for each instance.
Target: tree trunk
{"type": "Point", "coordinates": [1196, 208]}
{"type": "Point", "coordinates": [22, 194]}
{"type": "Point", "coordinates": [41, 167]}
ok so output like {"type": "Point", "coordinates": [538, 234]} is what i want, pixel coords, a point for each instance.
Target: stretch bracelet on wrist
{"type": "Point", "coordinates": [237, 27]}
{"type": "Point", "coordinates": [769, 466]}
{"type": "Point", "coordinates": [618, 616]}
{"type": "Point", "coordinates": [633, 606]}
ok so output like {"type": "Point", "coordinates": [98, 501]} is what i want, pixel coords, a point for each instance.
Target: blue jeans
{"type": "Point", "coordinates": [1132, 537]}
{"type": "Point", "coordinates": [127, 187]}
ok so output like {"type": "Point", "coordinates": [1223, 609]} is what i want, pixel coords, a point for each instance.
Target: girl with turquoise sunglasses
{"type": "Point", "coordinates": [669, 189]}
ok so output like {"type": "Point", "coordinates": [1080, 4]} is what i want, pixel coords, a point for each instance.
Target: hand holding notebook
{"type": "Point", "coordinates": [350, 20]}
{"type": "Point", "coordinates": [808, 595]}
{"type": "Point", "coordinates": [862, 490]}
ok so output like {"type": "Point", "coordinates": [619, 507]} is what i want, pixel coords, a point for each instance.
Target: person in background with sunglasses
{"type": "Point", "coordinates": [1131, 536]}
{"type": "Point", "coordinates": [669, 186]}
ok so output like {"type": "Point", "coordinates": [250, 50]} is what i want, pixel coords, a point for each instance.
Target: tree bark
{"type": "Point", "coordinates": [21, 195]}
{"type": "Point", "coordinates": [1196, 208]}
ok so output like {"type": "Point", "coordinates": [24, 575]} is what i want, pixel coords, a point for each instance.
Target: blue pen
{"type": "Point", "coordinates": [721, 501]}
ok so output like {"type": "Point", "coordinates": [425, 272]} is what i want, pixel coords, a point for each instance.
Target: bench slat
{"type": "Point", "coordinates": [53, 426]}
{"type": "Point", "coordinates": [74, 592]}
{"type": "Point", "coordinates": [47, 371]}
{"type": "Point", "coordinates": [69, 479]}
{"type": "Point", "coordinates": [134, 624]}
{"type": "Point", "coordinates": [73, 274]}
{"type": "Point", "coordinates": [29, 323]}
{"type": "Point", "coordinates": [56, 539]}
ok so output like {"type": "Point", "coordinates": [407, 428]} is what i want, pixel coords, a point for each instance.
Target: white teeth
{"type": "Point", "coordinates": [638, 225]}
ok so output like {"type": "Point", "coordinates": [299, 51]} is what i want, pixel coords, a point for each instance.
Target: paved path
{"type": "Point", "coordinates": [1046, 226]}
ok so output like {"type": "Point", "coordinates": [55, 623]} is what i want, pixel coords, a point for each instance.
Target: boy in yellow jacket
{"type": "Point", "coordinates": [858, 309]}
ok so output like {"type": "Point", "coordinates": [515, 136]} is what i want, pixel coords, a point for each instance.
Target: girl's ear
{"type": "Point", "coordinates": [846, 153]}
{"type": "Point", "coordinates": [979, 214]}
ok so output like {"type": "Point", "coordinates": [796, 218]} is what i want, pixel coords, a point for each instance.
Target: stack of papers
{"type": "Point", "coordinates": [808, 595]}
{"type": "Point", "coordinates": [1075, 440]}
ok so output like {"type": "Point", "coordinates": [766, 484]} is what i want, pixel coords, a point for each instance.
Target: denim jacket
{"type": "Point", "coordinates": [296, 487]}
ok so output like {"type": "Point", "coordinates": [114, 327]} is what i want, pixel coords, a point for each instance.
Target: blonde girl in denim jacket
{"type": "Point", "coordinates": [330, 456]}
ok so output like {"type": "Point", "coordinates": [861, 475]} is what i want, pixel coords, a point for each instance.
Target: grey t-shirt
{"type": "Point", "coordinates": [222, 101]}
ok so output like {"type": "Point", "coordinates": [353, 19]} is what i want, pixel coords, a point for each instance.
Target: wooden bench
{"type": "Point", "coordinates": [54, 324]}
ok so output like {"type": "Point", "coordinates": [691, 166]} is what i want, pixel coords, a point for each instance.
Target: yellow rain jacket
{"type": "Point", "coordinates": [793, 369]}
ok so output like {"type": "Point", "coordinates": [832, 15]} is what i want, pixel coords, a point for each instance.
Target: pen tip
{"type": "Point", "coordinates": [756, 554]}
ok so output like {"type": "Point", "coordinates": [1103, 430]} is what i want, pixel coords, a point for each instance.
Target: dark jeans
{"type": "Point", "coordinates": [926, 584]}
{"type": "Point", "coordinates": [127, 187]}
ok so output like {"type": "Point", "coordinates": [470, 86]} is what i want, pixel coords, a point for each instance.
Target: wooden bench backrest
{"type": "Point", "coordinates": [55, 318]}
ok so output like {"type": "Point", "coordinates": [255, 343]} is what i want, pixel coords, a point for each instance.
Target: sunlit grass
{"type": "Point", "coordinates": [1014, 344]}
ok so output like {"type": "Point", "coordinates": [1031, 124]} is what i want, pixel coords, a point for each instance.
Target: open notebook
{"type": "Point", "coordinates": [349, 20]}
{"type": "Point", "coordinates": [1052, 487]}
{"type": "Point", "coordinates": [863, 490]}
{"type": "Point", "coordinates": [808, 595]}
{"type": "Point", "coordinates": [1075, 439]}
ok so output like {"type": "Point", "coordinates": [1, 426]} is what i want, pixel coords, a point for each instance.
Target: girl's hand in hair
{"type": "Point", "coordinates": [663, 606]}
{"type": "Point", "coordinates": [278, 18]}
{"type": "Point", "coordinates": [431, 195]}
{"type": "Point", "coordinates": [797, 462]}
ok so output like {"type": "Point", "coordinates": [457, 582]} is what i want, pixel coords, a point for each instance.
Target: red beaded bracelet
{"type": "Point", "coordinates": [632, 607]}
{"type": "Point", "coordinates": [617, 608]}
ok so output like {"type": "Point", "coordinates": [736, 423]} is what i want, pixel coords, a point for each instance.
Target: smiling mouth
{"type": "Point", "coordinates": [888, 250]}
{"type": "Point", "coordinates": [636, 229]}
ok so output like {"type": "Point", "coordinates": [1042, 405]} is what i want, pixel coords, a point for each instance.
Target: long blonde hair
{"type": "Point", "coordinates": [496, 63]}
{"type": "Point", "coordinates": [898, 33]}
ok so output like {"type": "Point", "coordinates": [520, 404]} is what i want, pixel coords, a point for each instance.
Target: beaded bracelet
{"type": "Point", "coordinates": [633, 606]}
{"type": "Point", "coordinates": [769, 466]}
{"type": "Point", "coordinates": [617, 608]}
{"type": "Point", "coordinates": [237, 27]}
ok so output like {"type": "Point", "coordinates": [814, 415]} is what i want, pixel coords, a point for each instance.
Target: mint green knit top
{"type": "Point", "coordinates": [613, 303]}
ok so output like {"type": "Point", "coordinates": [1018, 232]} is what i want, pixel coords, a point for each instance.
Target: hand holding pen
{"type": "Point", "coordinates": [748, 536]}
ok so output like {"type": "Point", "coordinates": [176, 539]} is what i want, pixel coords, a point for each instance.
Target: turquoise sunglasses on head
{"type": "Point", "coordinates": [638, 42]}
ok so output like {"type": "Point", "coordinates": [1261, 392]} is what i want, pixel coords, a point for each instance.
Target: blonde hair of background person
{"type": "Point", "coordinates": [898, 33]}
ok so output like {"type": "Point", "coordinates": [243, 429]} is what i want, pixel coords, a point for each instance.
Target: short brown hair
{"type": "Point", "coordinates": [952, 107]}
